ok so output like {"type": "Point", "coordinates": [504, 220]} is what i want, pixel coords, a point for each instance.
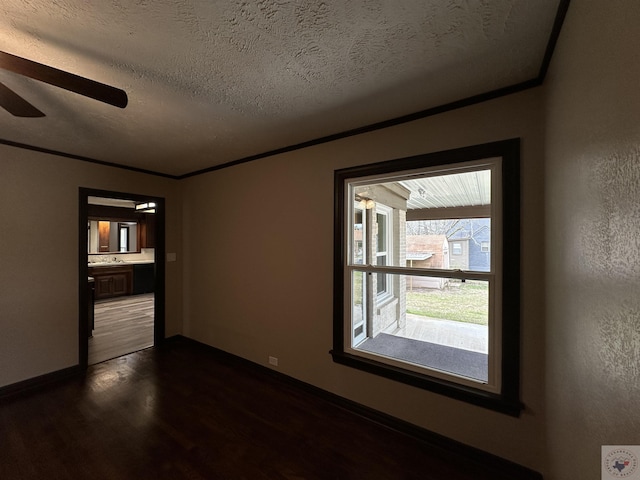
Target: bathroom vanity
{"type": "Point", "coordinates": [112, 280]}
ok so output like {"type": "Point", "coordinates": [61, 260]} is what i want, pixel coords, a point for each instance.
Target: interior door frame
{"type": "Point", "coordinates": [83, 269]}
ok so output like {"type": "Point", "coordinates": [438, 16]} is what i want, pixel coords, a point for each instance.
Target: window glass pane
{"type": "Point", "coordinates": [402, 225]}
{"type": "Point", "coordinates": [358, 308]}
{"type": "Point", "coordinates": [448, 220]}
{"type": "Point", "coordinates": [381, 236]}
{"type": "Point", "coordinates": [381, 278]}
{"type": "Point", "coordinates": [383, 242]}
{"type": "Point", "coordinates": [437, 323]}
{"type": "Point", "coordinates": [357, 249]}
{"type": "Point", "coordinates": [450, 190]}
{"type": "Point", "coordinates": [457, 244]}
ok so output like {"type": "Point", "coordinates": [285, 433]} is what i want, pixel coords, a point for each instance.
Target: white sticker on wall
{"type": "Point", "coordinates": [621, 461]}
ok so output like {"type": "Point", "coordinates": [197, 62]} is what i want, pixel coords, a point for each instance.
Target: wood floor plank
{"type": "Point", "coordinates": [181, 412]}
{"type": "Point", "coordinates": [122, 325]}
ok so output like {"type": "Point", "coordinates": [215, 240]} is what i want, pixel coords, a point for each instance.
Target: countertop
{"type": "Point", "coordinates": [123, 263]}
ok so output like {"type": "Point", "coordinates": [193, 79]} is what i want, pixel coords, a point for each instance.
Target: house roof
{"type": "Point", "coordinates": [418, 255]}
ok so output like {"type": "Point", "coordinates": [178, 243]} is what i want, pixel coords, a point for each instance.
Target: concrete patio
{"type": "Point", "coordinates": [466, 336]}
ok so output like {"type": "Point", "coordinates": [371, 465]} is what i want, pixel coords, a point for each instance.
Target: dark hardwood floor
{"type": "Point", "coordinates": [185, 411]}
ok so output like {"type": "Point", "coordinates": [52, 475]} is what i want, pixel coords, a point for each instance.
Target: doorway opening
{"type": "Point", "coordinates": [121, 263]}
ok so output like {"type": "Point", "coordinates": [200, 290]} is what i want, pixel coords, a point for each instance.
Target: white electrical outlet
{"type": "Point", "coordinates": [273, 361]}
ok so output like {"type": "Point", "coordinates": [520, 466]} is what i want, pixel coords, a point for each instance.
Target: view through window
{"type": "Point", "coordinates": [422, 272]}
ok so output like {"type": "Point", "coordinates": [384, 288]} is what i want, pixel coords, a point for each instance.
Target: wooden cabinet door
{"type": "Point", "coordinates": [103, 236]}
{"type": "Point", "coordinates": [120, 284]}
{"type": "Point", "coordinates": [148, 231]}
{"type": "Point", "coordinates": [103, 287]}
{"type": "Point", "coordinates": [112, 281]}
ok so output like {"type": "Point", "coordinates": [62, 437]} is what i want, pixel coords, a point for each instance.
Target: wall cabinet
{"type": "Point", "coordinates": [148, 231]}
{"type": "Point", "coordinates": [112, 281]}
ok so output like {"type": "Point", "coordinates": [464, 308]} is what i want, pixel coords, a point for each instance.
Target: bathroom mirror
{"type": "Point", "coordinates": [119, 226]}
{"type": "Point", "coordinates": [108, 236]}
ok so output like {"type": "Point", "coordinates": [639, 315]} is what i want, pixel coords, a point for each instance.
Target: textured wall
{"type": "Point", "coordinates": [593, 246]}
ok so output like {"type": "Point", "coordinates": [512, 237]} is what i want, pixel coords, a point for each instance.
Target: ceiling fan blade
{"type": "Point", "coordinates": [68, 81]}
{"type": "Point", "coordinates": [16, 105]}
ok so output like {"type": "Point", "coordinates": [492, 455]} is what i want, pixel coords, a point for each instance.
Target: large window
{"type": "Point", "coordinates": [420, 296]}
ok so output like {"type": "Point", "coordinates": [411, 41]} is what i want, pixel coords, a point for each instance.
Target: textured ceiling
{"type": "Point", "coordinates": [210, 82]}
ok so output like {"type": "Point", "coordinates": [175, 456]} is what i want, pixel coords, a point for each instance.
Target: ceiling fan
{"type": "Point", "coordinates": [19, 107]}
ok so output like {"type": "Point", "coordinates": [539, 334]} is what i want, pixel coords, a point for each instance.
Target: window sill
{"type": "Point", "coordinates": [470, 395]}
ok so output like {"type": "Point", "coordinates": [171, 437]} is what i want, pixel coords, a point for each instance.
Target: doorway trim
{"type": "Point", "coordinates": [83, 269]}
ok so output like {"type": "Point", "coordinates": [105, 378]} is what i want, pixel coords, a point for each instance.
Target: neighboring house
{"type": "Point", "coordinates": [427, 251]}
{"type": "Point", "coordinates": [470, 245]}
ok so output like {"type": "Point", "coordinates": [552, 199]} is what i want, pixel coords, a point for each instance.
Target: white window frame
{"type": "Point", "coordinates": [501, 391]}
{"type": "Point", "coordinates": [357, 328]}
{"type": "Point", "coordinates": [493, 277]}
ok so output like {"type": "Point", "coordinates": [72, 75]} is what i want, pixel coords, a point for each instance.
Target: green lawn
{"type": "Point", "coordinates": [463, 302]}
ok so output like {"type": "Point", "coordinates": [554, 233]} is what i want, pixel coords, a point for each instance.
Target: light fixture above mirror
{"type": "Point", "coordinates": [146, 207]}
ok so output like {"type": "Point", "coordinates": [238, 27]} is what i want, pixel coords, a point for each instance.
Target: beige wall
{"type": "Point", "coordinates": [258, 241]}
{"type": "Point", "coordinates": [39, 256]}
{"type": "Point", "coordinates": [593, 246]}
